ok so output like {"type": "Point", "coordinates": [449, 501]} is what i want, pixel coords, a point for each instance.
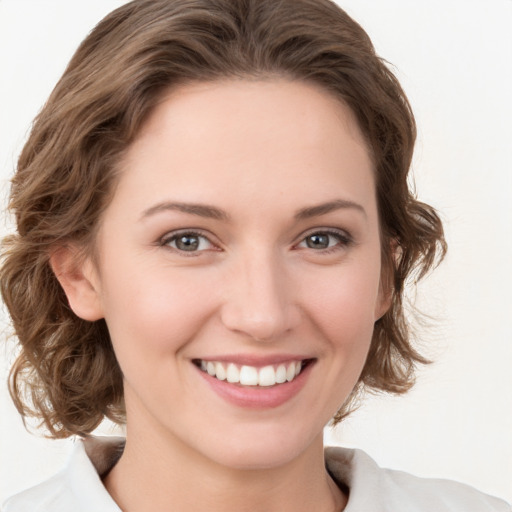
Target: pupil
{"type": "Point", "coordinates": [187, 243]}
{"type": "Point", "coordinates": [318, 241]}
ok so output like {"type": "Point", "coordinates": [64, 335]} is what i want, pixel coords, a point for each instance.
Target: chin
{"type": "Point", "coordinates": [260, 448]}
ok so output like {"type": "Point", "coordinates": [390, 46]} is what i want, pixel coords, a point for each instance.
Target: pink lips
{"type": "Point", "coordinates": [258, 397]}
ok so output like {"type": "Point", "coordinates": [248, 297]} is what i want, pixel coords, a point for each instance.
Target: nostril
{"type": "Point", "coordinates": [264, 327]}
{"type": "Point", "coordinates": [261, 323]}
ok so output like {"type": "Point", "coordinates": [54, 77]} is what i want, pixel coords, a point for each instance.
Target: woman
{"type": "Point", "coordinates": [214, 231]}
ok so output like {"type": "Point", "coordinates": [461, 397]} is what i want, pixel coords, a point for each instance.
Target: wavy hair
{"type": "Point", "coordinates": [66, 374]}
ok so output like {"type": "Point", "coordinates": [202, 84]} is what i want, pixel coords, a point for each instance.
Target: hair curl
{"type": "Point", "coordinates": [67, 374]}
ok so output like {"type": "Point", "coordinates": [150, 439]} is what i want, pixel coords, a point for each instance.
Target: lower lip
{"type": "Point", "coordinates": [258, 397]}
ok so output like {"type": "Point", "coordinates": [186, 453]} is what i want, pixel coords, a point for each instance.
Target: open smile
{"type": "Point", "coordinates": [259, 385]}
{"type": "Point", "coordinates": [246, 375]}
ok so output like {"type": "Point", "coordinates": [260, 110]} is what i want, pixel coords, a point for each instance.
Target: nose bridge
{"type": "Point", "coordinates": [260, 298]}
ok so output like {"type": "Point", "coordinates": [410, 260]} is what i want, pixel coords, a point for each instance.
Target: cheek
{"type": "Point", "coordinates": [346, 300]}
{"type": "Point", "coordinates": [342, 310]}
{"type": "Point", "coordinates": [155, 311]}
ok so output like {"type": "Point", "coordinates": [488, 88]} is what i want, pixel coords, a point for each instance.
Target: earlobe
{"type": "Point", "coordinates": [384, 300]}
{"type": "Point", "coordinates": [79, 280]}
{"type": "Point", "coordinates": [390, 262]}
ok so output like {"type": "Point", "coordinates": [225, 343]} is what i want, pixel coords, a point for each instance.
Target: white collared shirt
{"type": "Point", "coordinates": [78, 487]}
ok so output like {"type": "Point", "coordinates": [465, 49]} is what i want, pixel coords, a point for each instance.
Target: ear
{"type": "Point", "coordinates": [79, 280]}
{"type": "Point", "coordinates": [389, 264]}
{"type": "Point", "coordinates": [384, 298]}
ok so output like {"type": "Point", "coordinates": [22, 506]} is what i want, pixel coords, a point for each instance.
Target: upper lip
{"type": "Point", "coordinates": [255, 360]}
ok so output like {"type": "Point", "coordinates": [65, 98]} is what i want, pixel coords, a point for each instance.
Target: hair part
{"type": "Point", "coordinates": [67, 374]}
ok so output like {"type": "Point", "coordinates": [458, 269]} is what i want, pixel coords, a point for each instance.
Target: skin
{"type": "Point", "coordinates": [260, 151]}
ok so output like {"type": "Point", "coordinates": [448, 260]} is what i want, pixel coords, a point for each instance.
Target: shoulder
{"type": "Point", "coordinates": [384, 490]}
{"type": "Point", "coordinates": [78, 487]}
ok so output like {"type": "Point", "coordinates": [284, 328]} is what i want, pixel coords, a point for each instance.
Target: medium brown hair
{"type": "Point", "coordinates": [66, 373]}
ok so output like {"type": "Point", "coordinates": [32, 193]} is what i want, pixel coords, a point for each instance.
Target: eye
{"type": "Point", "coordinates": [325, 240]}
{"type": "Point", "coordinates": [187, 241]}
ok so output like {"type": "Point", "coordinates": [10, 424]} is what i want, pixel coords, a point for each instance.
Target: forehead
{"type": "Point", "coordinates": [257, 111]}
{"type": "Point", "coordinates": [275, 138]}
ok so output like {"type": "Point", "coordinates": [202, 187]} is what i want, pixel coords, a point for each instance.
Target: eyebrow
{"type": "Point", "coordinates": [212, 212]}
{"type": "Point", "coordinates": [324, 208]}
{"type": "Point", "coordinates": [202, 210]}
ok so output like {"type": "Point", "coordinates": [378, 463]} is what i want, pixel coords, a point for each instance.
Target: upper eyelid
{"type": "Point", "coordinates": [344, 241]}
{"type": "Point", "coordinates": [172, 235]}
{"type": "Point", "coordinates": [343, 233]}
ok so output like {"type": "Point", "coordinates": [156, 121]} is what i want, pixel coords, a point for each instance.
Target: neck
{"type": "Point", "coordinates": [156, 474]}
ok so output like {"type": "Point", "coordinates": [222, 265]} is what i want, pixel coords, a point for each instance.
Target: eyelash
{"type": "Point", "coordinates": [344, 240]}
{"type": "Point", "coordinates": [167, 239]}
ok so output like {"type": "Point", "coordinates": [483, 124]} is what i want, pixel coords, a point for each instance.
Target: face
{"type": "Point", "coordinates": [239, 269]}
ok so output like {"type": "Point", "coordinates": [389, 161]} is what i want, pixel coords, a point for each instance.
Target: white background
{"type": "Point", "coordinates": [454, 59]}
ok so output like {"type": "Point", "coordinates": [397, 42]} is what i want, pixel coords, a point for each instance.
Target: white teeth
{"type": "Point", "coordinates": [267, 376]}
{"type": "Point", "coordinates": [210, 368]}
{"type": "Point", "coordinates": [290, 372]}
{"type": "Point", "coordinates": [232, 373]}
{"type": "Point", "coordinates": [281, 374]}
{"type": "Point", "coordinates": [250, 375]}
{"type": "Point", "coordinates": [220, 372]}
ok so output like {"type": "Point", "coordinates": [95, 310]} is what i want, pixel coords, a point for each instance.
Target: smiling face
{"type": "Point", "coordinates": [239, 268]}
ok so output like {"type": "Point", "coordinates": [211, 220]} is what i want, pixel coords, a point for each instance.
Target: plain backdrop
{"type": "Point", "coordinates": [454, 59]}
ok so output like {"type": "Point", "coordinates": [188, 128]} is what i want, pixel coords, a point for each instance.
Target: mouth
{"type": "Point", "coordinates": [252, 376]}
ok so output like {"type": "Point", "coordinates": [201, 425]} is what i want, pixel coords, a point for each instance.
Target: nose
{"type": "Point", "coordinates": [259, 300]}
